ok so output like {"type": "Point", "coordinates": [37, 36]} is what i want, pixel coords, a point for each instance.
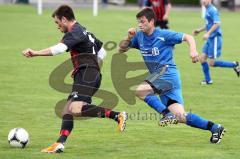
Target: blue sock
{"type": "Point", "coordinates": [206, 71]}
{"type": "Point", "coordinates": [154, 102]}
{"type": "Point", "coordinates": [225, 64]}
{"type": "Point", "coordinates": [197, 121]}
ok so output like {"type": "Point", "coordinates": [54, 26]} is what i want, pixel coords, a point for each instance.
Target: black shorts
{"type": "Point", "coordinates": [87, 81]}
{"type": "Point", "coordinates": [163, 24]}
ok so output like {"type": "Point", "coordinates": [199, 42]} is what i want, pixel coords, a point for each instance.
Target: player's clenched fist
{"type": "Point", "coordinates": [194, 57]}
{"type": "Point", "coordinates": [131, 33]}
{"type": "Point", "coordinates": [28, 53]}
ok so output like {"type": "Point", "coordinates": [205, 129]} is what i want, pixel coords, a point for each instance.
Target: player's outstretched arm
{"type": "Point", "coordinates": [124, 44]}
{"type": "Point", "coordinates": [32, 53]}
{"type": "Point", "coordinates": [192, 47]}
{"type": "Point", "coordinates": [197, 31]}
{"type": "Point", "coordinates": [54, 50]}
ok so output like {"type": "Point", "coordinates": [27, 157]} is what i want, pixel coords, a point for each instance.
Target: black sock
{"type": "Point", "coordinates": [62, 139]}
{"type": "Point", "coordinates": [210, 125]}
{"type": "Point", "coordinates": [112, 114]}
{"type": "Point", "coordinates": [67, 126]}
{"type": "Point", "coordinates": [95, 111]}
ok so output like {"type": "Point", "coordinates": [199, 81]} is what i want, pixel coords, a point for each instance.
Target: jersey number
{"type": "Point", "coordinates": [92, 40]}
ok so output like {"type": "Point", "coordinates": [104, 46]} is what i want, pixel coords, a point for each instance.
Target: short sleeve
{"type": "Point", "coordinates": [134, 42]}
{"type": "Point", "coordinates": [172, 37]}
{"type": "Point", "coordinates": [215, 16]}
{"type": "Point", "coordinates": [72, 38]}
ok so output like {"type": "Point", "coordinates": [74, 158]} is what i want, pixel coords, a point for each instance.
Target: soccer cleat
{"type": "Point", "coordinates": [217, 135]}
{"type": "Point", "coordinates": [237, 69]}
{"type": "Point", "coordinates": [169, 118]}
{"type": "Point", "coordinates": [206, 83]}
{"type": "Point", "coordinates": [57, 147]}
{"type": "Point", "coordinates": [122, 118]}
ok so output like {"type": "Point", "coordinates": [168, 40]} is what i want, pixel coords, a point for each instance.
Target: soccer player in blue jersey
{"type": "Point", "coordinates": [213, 45]}
{"type": "Point", "coordinates": [156, 46]}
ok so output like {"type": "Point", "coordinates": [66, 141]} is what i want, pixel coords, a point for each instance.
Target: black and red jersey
{"type": "Point", "coordinates": [159, 7]}
{"type": "Point", "coordinates": [83, 47]}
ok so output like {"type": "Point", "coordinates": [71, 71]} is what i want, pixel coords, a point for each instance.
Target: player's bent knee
{"type": "Point", "coordinates": [75, 108]}
{"type": "Point", "coordinates": [141, 94]}
{"type": "Point", "coordinates": [143, 90]}
{"type": "Point", "coordinates": [203, 58]}
{"type": "Point", "coordinates": [211, 63]}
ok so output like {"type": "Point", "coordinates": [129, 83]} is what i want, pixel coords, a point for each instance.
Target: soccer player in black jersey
{"type": "Point", "coordinates": [162, 10]}
{"type": "Point", "coordinates": [85, 50]}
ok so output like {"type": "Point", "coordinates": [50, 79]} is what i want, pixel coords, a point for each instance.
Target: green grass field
{"type": "Point", "coordinates": [27, 100]}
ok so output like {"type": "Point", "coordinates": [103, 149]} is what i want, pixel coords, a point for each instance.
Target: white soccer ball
{"type": "Point", "coordinates": [18, 137]}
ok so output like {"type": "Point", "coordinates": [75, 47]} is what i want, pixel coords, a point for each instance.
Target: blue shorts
{"type": "Point", "coordinates": [172, 75]}
{"type": "Point", "coordinates": [213, 47]}
{"type": "Point", "coordinates": [174, 90]}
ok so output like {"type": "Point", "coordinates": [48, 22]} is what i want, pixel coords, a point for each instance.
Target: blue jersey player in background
{"type": "Point", "coordinates": [161, 90]}
{"type": "Point", "coordinates": [213, 45]}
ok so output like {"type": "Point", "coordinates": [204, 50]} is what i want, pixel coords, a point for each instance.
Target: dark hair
{"type": "Point", "coordinates": [64, 11]}
{"type": "Point", "coordinates": [148, 13]}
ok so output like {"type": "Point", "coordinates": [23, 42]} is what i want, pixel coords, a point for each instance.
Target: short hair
{"type": "Point", "coordinates": [148, 13]}
{"type": "Point", "coordinates": [64, 11]}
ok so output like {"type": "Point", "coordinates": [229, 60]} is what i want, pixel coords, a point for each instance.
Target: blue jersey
{"type": "Point", "coordinates": [212, 17]}
{"type": "Point", "coordinates": [157, 49]}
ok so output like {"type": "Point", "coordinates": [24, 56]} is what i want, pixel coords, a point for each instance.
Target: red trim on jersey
{"type": "Point", "coordinates": [107, 112]}
{"type": "Point", "coordinates": [64, 133]}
